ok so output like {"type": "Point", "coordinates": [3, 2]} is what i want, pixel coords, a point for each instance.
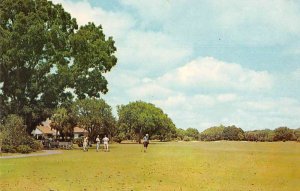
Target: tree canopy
{"type": "Point", "coordinates": [138, 118]}
{"type": "Point", "coordinates": [213, 133]}
{"type": "Point", "coordinates": [283, 134]}
{"type": "Point", "coordinates": [94, 115]}
{"type": "Point", "coordinates": [63, 121]}
{"type": "Point", "coordinates": [192, 132]}
{"type": "Point", "coordinates": [45, 59]}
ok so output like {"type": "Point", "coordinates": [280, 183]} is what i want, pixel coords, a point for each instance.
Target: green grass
{"type": "Point", "coordinates": [166, 166]}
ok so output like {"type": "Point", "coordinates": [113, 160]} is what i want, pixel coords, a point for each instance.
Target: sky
{"type": "Point", "coordinates": [204, 62]}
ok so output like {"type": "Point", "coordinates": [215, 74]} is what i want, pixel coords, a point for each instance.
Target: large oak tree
{"type": "Point", "coordinates": [138, 118]}
{"type": "Point", "coordinates": [45, 59]}
{"type": "Point", "coordinates": [95, 116]}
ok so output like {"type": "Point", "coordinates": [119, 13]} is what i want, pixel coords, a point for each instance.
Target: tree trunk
{"type": "Point", "coordinates": [139, 136]}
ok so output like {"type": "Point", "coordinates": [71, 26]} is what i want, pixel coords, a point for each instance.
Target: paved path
{"type": "Point", "coordinates": [44, 153]}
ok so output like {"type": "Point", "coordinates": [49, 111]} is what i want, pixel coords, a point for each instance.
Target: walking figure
{"type": "Point", "coordinates": [146, 142]}
{"type": "Point", "coordinates": [98, 143]}
{"type": "Point", "coordinates": [105, 143]}
{"type": "Point", "coordinates": [85, 143]}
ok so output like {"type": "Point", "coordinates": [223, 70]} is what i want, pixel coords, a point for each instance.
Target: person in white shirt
{"type": "Point", "coordinates": [146, 142]}
{"type": "Point", "coordinates": [98, 143]}
{"type": "Point", "coordinates": [85, 143]}
{"type": "Point", "coordinates": [105, 143]}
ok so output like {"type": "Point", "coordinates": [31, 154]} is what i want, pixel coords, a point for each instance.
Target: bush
{"type": "Point", "coordinates": [155, 137]}
{"type": "Point", "coordinates": [14, 134]}
{"type": "Point", "coordinates": [36, 146]}
{"type": "Point", "coordinates": [24, 149]}
{"type": "Point", "coordinates": [78, 141]}
{"type": "Point", "coordinates": [31, 143]}
{"type": "Point", "coordinates": [283, 134]}
{"type": "Point", "coordinates": [186, 138]}
{"type": "Point", "coordinates": [119, 138]}
{"type": "Point", "coordinates": [8, 149]}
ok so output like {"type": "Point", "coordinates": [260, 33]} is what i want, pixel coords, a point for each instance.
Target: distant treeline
{"type": "Point", "coordinates": [234, 133]}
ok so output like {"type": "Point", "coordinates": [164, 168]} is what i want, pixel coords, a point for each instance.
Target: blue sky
{"type": "Point", "coordinates": [205, 63]}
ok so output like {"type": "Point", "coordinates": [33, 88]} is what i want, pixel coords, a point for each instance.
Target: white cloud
{"type": "Point", "coordinates": [254, 22]}
{"type": "Point", "coordinates": [148, 90]}
{"type": "Point", "coordinates": [296, 74]}
{"type": "Point", "coordinates": [212, 73]}
{"type": "Point", "coordinates": [151, 52]}
{"type": "Point", "coordinates": [245, 112]}
{"type": "Point", "coordinates": [116, 24]}
{"type": "Point", "coordinates": [229, 97]}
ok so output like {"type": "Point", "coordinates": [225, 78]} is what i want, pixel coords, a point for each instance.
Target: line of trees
{"type": "Point", "coordinates": [135, 119]}
{"type": "Point", "coordinates": [237, 134]}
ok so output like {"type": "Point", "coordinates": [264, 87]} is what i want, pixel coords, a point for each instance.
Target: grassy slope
{"type": "Point", "coordinates": [166, 166]}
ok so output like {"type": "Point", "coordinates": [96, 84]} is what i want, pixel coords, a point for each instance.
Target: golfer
{"type": "Point", "coordinates": [97, 143]}
{"type": "Point", "coordinates": [105, 143]}
{"type": "Point", "coordinates": [85, 143]}
{"type": "Point", "coordinates": [146, 142]}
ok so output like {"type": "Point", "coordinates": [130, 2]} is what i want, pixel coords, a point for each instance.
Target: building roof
{"type": "Point", "coordinates": [46, 129]}
{"type": "Point", "coordinates": [47, 123]}
{"type": "Point", "coordinates": [79, 130]}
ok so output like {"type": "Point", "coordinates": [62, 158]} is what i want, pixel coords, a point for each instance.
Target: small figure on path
{"type": "Point", "coordinates": [146, 142]}
{"type": "Point", "coordinates": [105, 143]}
{"type": "Point", "coordinates": [98, 143]}
{"type": "Point", "coordinates": [85, 143]}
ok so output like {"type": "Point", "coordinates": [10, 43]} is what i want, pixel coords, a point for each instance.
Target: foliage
{"type": "Point", "coordinates": [8, 149]}
{"type": "Point", "coordinates": [119, 137]}
{"type": "Point", "coordinates": [283, 134]}
{"type": "Point", "coordinates": [63, 121]}
{"type": "Point", "coordinates": [296, 134]}
{"type": "Point", "coordinates": [233, 133]}
{"type": "Point", "coordinates": [221, 132]}
{"type": "Point", "coordinates": [193, 133]}
{"type": "Point", "coordinates": [78, 141]}
{"type": "Point", "coordinates": [212, 133]}
{"type": "Point", "coordinates": [138, 118]}
{"type": "Point", "coordinates": [187, 138]}
{"type": "Point", "coordinates": [260, 135]}
{"type": "Point", "coordinates": [24, 149]}
{"type": "Point", "coordinates": [180, 133]}
{"type": "Point", "coordinates": [14, 134]}
{"type": "Point", "coordinates": [94, 115]}
{"type": "Point", "coordinates": [44, 56]}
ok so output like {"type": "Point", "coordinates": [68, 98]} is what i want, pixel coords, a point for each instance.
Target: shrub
{"type": "Point", "coordinates": [24, 149]}
{"type": "Point", "coordinates": [14, 134]}
{"type": "Point", "coordinates": [8, 149]}
{"type": "Point", "coordinates": [155, 137]}
{"type": "Point", "coordinates": [32, 143]}
{"type": "Point", "coordinates": [36, 146]}
{"type": "Point", "coordinates": [283, 134]}
{"type": "Point", "coordinates": [186, 138]}
{"type": "Point", "coordinates": [119, 138]}
{"type": "Point", "coordinates": [78, 141]}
